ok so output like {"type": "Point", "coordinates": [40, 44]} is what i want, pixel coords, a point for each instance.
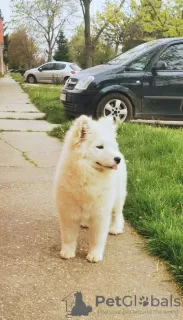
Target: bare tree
{"type": "Point", "coordinates": [45, 17]}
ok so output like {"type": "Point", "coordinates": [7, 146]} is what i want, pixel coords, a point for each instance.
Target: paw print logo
{"type": "Point", "coordinates": [143, 301]}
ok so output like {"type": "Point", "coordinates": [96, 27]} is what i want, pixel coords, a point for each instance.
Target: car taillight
{"type": "Point", "coordinates": [73, 72]}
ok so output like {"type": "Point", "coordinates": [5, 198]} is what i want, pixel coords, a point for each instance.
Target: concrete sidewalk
{"type": "Point", "coordinates": [15, 104]}
{"type": "Point", "coordinates": [34, 279]}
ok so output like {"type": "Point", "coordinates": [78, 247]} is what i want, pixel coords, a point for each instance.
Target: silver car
{"type": "Point", "coordinates": [52, 72]}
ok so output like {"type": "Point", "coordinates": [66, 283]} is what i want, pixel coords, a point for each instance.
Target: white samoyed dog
{"type": "Point", "coordinates": [90, 186]}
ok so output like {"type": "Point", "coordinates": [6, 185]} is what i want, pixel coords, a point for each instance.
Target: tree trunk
{"type": "Point", "coordinates": [49, 55]}
{"type": "Point", "coordinates": [88, 44]}
{"type": "Point", "coordinates": [116, 48]}
{"type": "Point", "coordinates": [89, 56]}
{"type": "Point", "coordinates": [49, 52]}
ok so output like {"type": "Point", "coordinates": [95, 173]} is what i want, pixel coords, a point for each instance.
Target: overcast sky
{"type": "Point", "coordinates": [6, 10]}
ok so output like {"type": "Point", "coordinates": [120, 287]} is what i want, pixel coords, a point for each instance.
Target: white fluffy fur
{"type": "Point", "coordinates": [89, 193]}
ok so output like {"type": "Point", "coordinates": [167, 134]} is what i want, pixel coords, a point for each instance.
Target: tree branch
{"type": "Point", "coordinates": [82, 6]}
{"type": "Point", "coordinates": [37, 21]}
{"type": "Point", "coordinates": [121, 4]}
{"type": "Point", "coordinates": [56, 37]}
{"type": "Point", "coordinates": [95, 40]}
{"type": "Point", "coordinates": [151, 5]}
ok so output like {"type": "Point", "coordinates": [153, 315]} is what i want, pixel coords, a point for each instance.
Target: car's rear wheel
{"type": "Point", "coordinates": [116, 105]}
{"type": "Point", "coordinates": [31, 78]}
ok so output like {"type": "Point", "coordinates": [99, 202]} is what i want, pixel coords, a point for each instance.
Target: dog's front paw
{"type": "Point", "coordinates": [115, 230]}
{"type": "Point", "coordinates": [94, 256]}
{"type": "Point", "coordinates": [67, 254]}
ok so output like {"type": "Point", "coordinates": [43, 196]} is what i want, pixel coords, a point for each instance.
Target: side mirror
{"type": "Point", "coordinates": [160, 65]}
{"type": "Point", "coordinates": [40, 69]}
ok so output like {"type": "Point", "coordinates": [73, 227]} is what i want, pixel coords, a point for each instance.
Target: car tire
{"type": "Point", "coordinates": [116, 105]}
{"type": "Point", "coordinates": [65, 79]}
{"type": "Point", "coordinates": [31, 79]}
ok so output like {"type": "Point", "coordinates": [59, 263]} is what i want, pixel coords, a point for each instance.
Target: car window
{"type": "Point", "coordinates": [48, 66]}
{"type": "Point", "coordinates": [141, 63]}
{"type": "Point", "coordinates": [136, 52]}
{"type": "Point", "coordinates": [75, 67]}
{"type": "Point", "coordinates": [59, 66]}
{"type": "Point", "coordinates": [173, 56]}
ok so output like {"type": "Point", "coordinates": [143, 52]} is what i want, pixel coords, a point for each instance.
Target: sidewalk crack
{"type": "Point", "coordinates": [23, 153]}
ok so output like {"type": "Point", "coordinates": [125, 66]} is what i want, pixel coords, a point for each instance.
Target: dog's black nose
{"type": "Point", "coordinates": [117, 160]}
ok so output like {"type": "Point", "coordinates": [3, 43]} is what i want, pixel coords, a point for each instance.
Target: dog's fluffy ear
{"type": "Point", "coordinates": [81, 128]}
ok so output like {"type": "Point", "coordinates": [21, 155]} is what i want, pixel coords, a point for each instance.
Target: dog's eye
{"type": "Point", "coordinates": [100, 147]}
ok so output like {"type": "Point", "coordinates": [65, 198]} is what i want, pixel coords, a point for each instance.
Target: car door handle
{"type": "Point", "coordinates": [138, 82]}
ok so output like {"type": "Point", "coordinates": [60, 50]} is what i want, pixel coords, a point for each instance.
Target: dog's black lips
{"type": "Point", "coordinates": [103, 166]}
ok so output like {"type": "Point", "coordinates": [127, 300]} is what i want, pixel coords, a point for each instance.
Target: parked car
{"type": "Point", "coordinates": [144, 82]}
{"type": "Point", "coordinates": [51, 72]}
{"type": "Point", "coordinates": [20, 70]}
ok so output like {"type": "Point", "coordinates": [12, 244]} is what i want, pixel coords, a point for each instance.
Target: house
{"type": "Point", "coordinates": [1, 47]}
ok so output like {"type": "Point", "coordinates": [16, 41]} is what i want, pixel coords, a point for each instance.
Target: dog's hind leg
{"type": "Point", "coordinates": [98, 232]}
{"type": "Point", "coordinates": [69, 233]}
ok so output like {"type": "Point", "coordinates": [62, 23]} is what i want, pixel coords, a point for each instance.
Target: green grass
{"type": "Point", "coordinates": [1, 76]}
{"type": "Point", "coordinates": [60, 131]}
{"type": "Point", "coordinates": [26, 157]}
{"type": "Point", "coordinates": [47, 100]}
{"type": "Point", "coordinates": [17, 77]}
{"type": "Point", "coordinates": [154, 205]}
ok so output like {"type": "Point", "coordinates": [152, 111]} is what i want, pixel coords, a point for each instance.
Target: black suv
{"type": "Point", "coordinates": [144, 82]}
